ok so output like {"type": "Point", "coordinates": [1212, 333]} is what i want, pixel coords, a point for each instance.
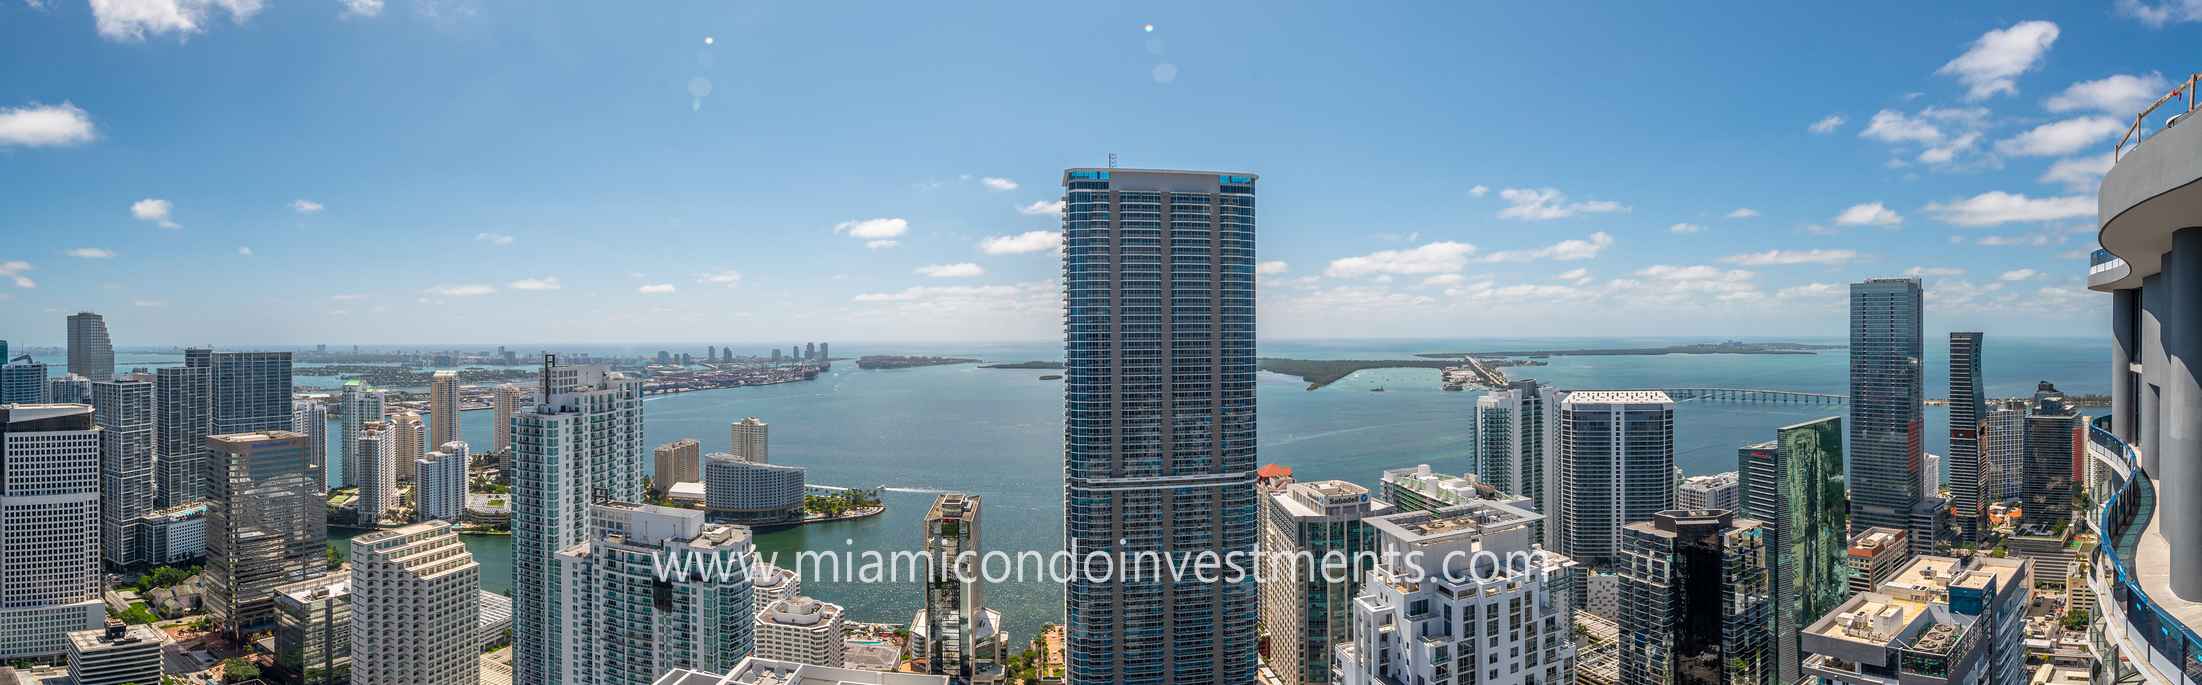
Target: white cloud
{"type": "Point", "coordinates": [920, 291]}
{"type": "Point", "coordinates": [41, 125]}
{"type": "Point", "coordinates": [90, 252]}
{"type": "Point", "coordinates": [244, 250]}
{"type": "Point", "coordinates": [1742, 213]}
{"type": "Point", "coordinates": [1439, 257]}
{"type": "Point", "coordinates": [1891, 126]}
{"type": "Point", "coordinates": [305, 206]}
{"type": "Point", "coordinates": [2122, 95]}
{"type": "Point", "coordinates": [1868, 214]}
{"type": "Point", "coordinates": [150, 303]}
{"type": "Point", "coordinates": [1548, 203]}
{"type": "Point", "coordinates": [1813, 290]}
{"type": "Point", "coordinates": [1934, 271]}
{"type": "Point", "coordinates": [459, 290]}
{"type": "Point", "coordinates": [2167, 12]}
{"type": "Point", "coordinates": [1995, 61]}
{"type": "Point", "coordinates": [1270, 268]}
{"type": "Point", "coordinates": [1942, 154]}
{"type": "Point", "coordinates": [2061, 138]}
{"type": "Point", "coordinates": [992, 183]}
{"type": "Point", "coordinates": [14, 271]}
{"type": "Point", "coordinates": [951, 270]}
{"type": "Point", "coordinates": [1685, 228]}
{"type": "Point", "coordinates": [2021, 275]}
{"type": "Point", "coordinates": [1022, 243]}
{"type": "Point", "coordinates": [2079, 174]}
{"type": "Point", "coordinates": [131, 20]}
{"type": "Point", "coordinates": [1442, 279]}
{"type": "Point", "coordinates": [1700, 278]}
{"type": "Point", "coordinates": [1042, 207]}
{"type": "Point", "coordinates": [1997, 207]}
{"type": "Point", "coordinates": [494, 238]}
{"type": "Point", "coordinates": [1572, 274]}
{"type": "Point", "coordinates": [550, 283]}
{"type": "Point", "coordinates": [1812, 256]}
{"type": "Point", "coordinates": [1564, 250]}
{"type": "Point", "coordinates": [729, 277]}
{"type": "Point", "coordinates": [876, 244]}
{"type": "Point", "coordinates": [360, 8]}
{"type": "Point", "coordinates": [1828, 124]}
{"type": "Point", "coordinates": [656, 289]}
{"type": "Point", "coordinates": [873, 228]}
{"type": "Point", "coordinates": [153, 210]}
{"type": "Point", "coordinates": [1479, 190]}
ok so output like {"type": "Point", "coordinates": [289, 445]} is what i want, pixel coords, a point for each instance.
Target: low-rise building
{"type": "Point", "coordinates": [1873, 554]}
{"type": "Point", "coordinates": [313, 629]}
{"type": "Point", "coordinates": [116, 655]}
{"type": "Point", "coordinates": [495, 619]}
{"type": "Point", "coordinates": [173, 534]}
{"type": "Point", "coordinates": [801, 630]}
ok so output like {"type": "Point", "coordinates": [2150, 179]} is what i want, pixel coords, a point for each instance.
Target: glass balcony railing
{"type": "Point", "coordinates": [2123, 519]}
{"type": "Point", "coordinates": [2102, 260]}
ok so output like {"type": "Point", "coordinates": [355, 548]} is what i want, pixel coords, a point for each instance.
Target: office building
{"type": "Point", "coordinates": [679, 461]}
{"type": "Point", "coordinates": [123, 410]}
{"type": "Point", "coordinates": [407, 430]}
{"type": "Point", "coordinates": [173, 534]}
{"type": "Point", "coordinates": [439, 484]}
{"type": "Point", "coordinates": [415, 598]}
{"type": "Point", "coordinates": [747, 438]}
{"type": "Point", "coordinates": [2003, 450]}
{"type": "Point", "coordinates": [250, 391]}
{"type": "Point", "coordinates": [1159, 419]}
{"type": "Point", "coordinates": [23, 381]}
{"type": "Point", "coordinates": [313, 629]}
{"type": "Point", "coordinates": [1461, 592]}
{"type": "Point", "coordinates": [1717, 491]}
{"type": "Point", "coordinates": [1969, 470]}
{"type": "Point", "coordinates": [961, 638]}
{"type": "Point", "coordinates": [70, 389]}
{"type": "Point", "coordinates": [360, 403]}
{"type": "Point", "coordinates": [1886, 420]}
{"type": "Point", "coordinates": [2055, 430]}
{"type": "Point", "coordinates": [443, 407]}
{"type": "Point", "coordinates": [115, 654]}
{"type": "Point", "coordinates": [1872, 555]}
{"type": "Point", "coordinates": [758, 670]}
{"type": "Point", "coordinates": [1616, 468]}
{"type": "Point", "coordinates": [265, 524]}
{"type": "Point", "coordinates": [579, 441]}
{"type": "Point", "coordinates": [801, 630]}
{"type": "Point", "coordinates": [310, 418]}
{"type": "Point", "coordinates": [1695, 608]}
{"type": "Point", "coordinates": [769, 583]}
{"type": "Point", "coordinates": [50, 520]}
{"type": "Point", "coordinates": [751, 493]}
{"type": "Point", "coordinates": [378, 479]}
{"type": "Point", "coordinates": [1517, 446]}
{"type": "Point", "coordinates": [91, 354]}
{"type": "Point", "coordinates": [1793, 487]}
{"type": "Point", "coordinates": [700, 619]}
{"type": "Point", "coordinates": [1308, 615]}
{"type": "Point", "coordinates": [1936, 621]}
{"type": "Point", "coordinates": [505, 401]}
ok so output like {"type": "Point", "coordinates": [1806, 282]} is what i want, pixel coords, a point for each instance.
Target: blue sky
{"type": "Point", "coordinates": [242, 172]}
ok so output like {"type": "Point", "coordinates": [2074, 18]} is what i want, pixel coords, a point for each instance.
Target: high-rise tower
{"type": "Point", "coordinates": [250, 391]}
{"type": "Point", "coordinates": [50, 519]}
{"type": "Point", "coordinates": [182, 399]}
{"type": "Point", "coordinates": [123, 410]}
{"type": "Point", "coordinates": [266, 524]}
{"type": "Point", "coordinates": [1887, 480]}
{"type": "Point", "coordinates": [1969, 469]}
{"type": "Point", "coordinates": [360, 403]}
{"type": "Point", "coordinates": [443, 407]}
{"type": "Point", "coordinates": [91, 354]}
{"type": "Point", "coordinates": [1158, 273]}
{"type": "Point", "coordinates": [310, 418]}
{"type": "Point", "coordinates": [956, 624]}
{"type": "Point", "coordinates": [1794, 487]}
{"type": "Point", "coordinates": [1616, 468]}
{"type": "Point", "coordinates": [580, 442]}
{"type": "Point", "coordinates": [504, 402]}
{"type": "Point", "coordinates": [1517, 448]}
{"type": "Point", "coordinates": [748, 440]}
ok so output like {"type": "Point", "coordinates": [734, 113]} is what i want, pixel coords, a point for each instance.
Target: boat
{"type": "Point", "coordinates": [1377, 389]}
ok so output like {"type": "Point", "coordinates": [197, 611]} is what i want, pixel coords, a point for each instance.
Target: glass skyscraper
{"type": "Point", "coordinates": [1616, 468]}
{"type": "Point", "coordinates": [1794, 487]}
{"type": "Point", "coordinates": [1969, 471]}
{"type": "Point", "coordinates": [91, 354]}
{"type": "Point", "coordinates": [1886, 421]}
{"type": "Point", "coordinates": [1158, 337]}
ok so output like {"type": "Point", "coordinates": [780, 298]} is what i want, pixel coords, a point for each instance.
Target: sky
{"type": "Point", "coordinates": [283, 172]}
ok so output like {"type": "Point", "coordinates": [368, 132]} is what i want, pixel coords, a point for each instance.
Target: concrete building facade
{"type": "Point", "coordinates": [415, 599]}
{"type": "Point", "coordinates": [801, 630]}
{"type": "Point", "coordinates": [1887, 423]}
{"type": "Point", "coordinates": [749, 439]}
{"type": "Point", "coordinates": [679, 461]}
{"type": "Point", "coordinates": [1308, 615]}
{"type": "Point", "coordinates": [439, 490]}
{"type": "Point", "coordinates": [49, 528]}
{"type": "Point", "coordinates": [748, 492]}
{"type": "Point", "coordinates": [123, 410]}
{"type": "Point", "coordinates": [1616, 468]}
{"type": "Point", "coordinates": [579, 441]}
{"type": "Point", "coordinates": [696, 617]}
{"type": "Point", "coordinates": [313, 629]}
{"type": "Point", "coordinates": [443, 405]}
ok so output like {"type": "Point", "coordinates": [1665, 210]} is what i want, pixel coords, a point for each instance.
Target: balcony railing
{"type": "Point", "coordinates": [2124, 518]}
{"type": "Point", "coordinates": [2101, 261]}
{"type": "Point", "coordinates": [2135, 134]}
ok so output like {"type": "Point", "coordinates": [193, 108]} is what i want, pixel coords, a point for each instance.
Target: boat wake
{"type": "Point", "coordinates": [1342, 431]}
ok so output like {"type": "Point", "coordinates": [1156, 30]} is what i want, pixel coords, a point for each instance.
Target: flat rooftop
{"type": "Point", "coordinates": [1617, 397]}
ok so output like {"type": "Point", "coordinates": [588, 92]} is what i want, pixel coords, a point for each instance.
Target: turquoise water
{"type": "Point", "coordinates": [998, 432]}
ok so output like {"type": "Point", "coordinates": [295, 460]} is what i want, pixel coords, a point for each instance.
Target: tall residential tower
{"type": "Point", "coordinates": [1887, 424]}
{"type": "Point", "coordinates": [1616, 468]}
{"type": "Point", "coordinates": [91, 354]}
{"type": "Point", "coordinates": [580, 442]}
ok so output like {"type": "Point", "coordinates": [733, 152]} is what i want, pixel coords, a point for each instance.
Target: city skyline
{"type": "Point", "coordinates": [1960, 148]}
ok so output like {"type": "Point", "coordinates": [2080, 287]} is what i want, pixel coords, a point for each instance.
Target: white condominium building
{"type": "Point", "coordinates": [360, 403]}
{"type": "Point", "coordinates": [414, 606]}
{"type": "Point", "coordinates": [747, 440]}
{"type": "Point", "coordinates": [310, 417]}
{"type": "Point", "coordinates": [653, 589]}
{"type": "Point", "coordinates": [378, 478]}
{"type": "Point", "coordinates": [751, 492]}
{"type": "Point", "coordinates": [439, 491]}
{"type": "Point", "coordinates": [584, 435]}
{"type": "Point", "coordinates": [504, 402]}
{"type": "Point", "coordinates": [1717, 491]}
{"type": "Point", "coordinates": [408, 447]}
{"type": "Point", "coordinates": [769, 584]}
{"type": "Point", "coordinates": [49, 524]}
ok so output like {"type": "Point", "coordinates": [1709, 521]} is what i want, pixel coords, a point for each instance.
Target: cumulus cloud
{"type": "Point", "coordinates": [131, 20]}
{"type": "Point", "coordinates": [2061, 138]}
{"type": "Point", "coordinates": [1934, 271]}
{"type": "Point", "coordinates": [2121, 95]}
{"type": "Point", "coordinates": [1534, 204]}
{"type": "Point", "coordinates": [360, 8]}
{"type": "Point", "coordinates": [1891, 126]}
{"type": "Point", "coordinates": [1828, 124]}
{"type": "Point", "coordinates": [1564, 250]}
{"type": "Point", "coordinates": [1742, 213]}
{"type": "Point", "coordinates": [39, 125]}
{"type": "Point", "coordinates": [876, 244]}
{"type": "Point", "coordinates": [2079, 174]}
{"type": "Point", "coordinates": [156, 211]}
{"type": "Point", "coordinates": [655, 289]}
{"type": "Point", "coordinates": [1042, 207]}
{"type": "Point", "coordinates": [550, 283]}
{"type": "Point", "coordinates": [305, 206]}
{"type": "Point", "coordinates": [494, 238]}
{"type": "Point", "coordinates": [1479, 190]}
{"type": "Point", "coordinates": [1812, 256]}
{"type": "Point", "coordinates": [992, 183]}
{"type": "Point", "coordinates": [1685, 228]}
{"type": "Point", "coordinates": [1438, 257]}
{"type": "Point", "coordinates": [872, 229]}
{"type": "Point", "coordinates": [729, 277]}
{"type": "Point", "coordinates": [461, 290]}
{"type": "Point", "coordinates": [1997, 207]}
{"type": "Point", "coordinates": [1998, 57]}
{"type": "Point", "coordinates": [1572, 274]}
{"type": "Point", "coordinates": [14, 271]}
{"type": "Point", "coordinates": [2161, 13]}
{"type": "Point", "coordinates": [1022, 243]}
{"type": "Point", "coordinates": [1270, 268]}
{"type": "Point", "coordinates": [244, 251]}
{"type": "Point", "coordinates": [1700, 278]}
{"type": "Point", "coordinates": [90, 252]}
{"type": "Point", "coordinates": [1868, 214]}
{"type": "Point", "coordinates": [2021, 275]}
{"type": "Point", "coordinates": [962, 270]}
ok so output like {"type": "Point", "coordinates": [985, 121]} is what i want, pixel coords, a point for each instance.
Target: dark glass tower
{"type": "Point", "coordinates": [1158, 453]}
{"type": "Point", "coordinates": [91, 354]}
{"type": "Point", "coordinates": [1794, 486]}
{"type": "Point", "coordinates": [1886, 391]}
{"type": "Point", "coordinates": [1968, 421]}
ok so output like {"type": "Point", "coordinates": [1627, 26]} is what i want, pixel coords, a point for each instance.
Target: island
{"type": "Point", "coordinates": [889, 361]}
{"type": "Point", "coordinates": [1024, 365]}
{"type": "Point", "coordinates": [1729, 347]}
{"type": "Point", "coordinates": [1321, 372]}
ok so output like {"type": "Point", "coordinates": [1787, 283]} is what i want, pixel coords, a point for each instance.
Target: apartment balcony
{"type": "Point", "coordinates": [2147, 626]}
{"type": "Point", "coordinates": [2149, 193]}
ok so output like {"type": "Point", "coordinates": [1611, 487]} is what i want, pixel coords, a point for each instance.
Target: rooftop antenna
{"type": "Point", "coordinates": [1112, 160]}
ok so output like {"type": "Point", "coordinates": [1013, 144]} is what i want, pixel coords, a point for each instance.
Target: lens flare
{"type": "Point", "coordinates": [1150, 28]}
{"type": "Point", "coordinates": [707, 40]}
